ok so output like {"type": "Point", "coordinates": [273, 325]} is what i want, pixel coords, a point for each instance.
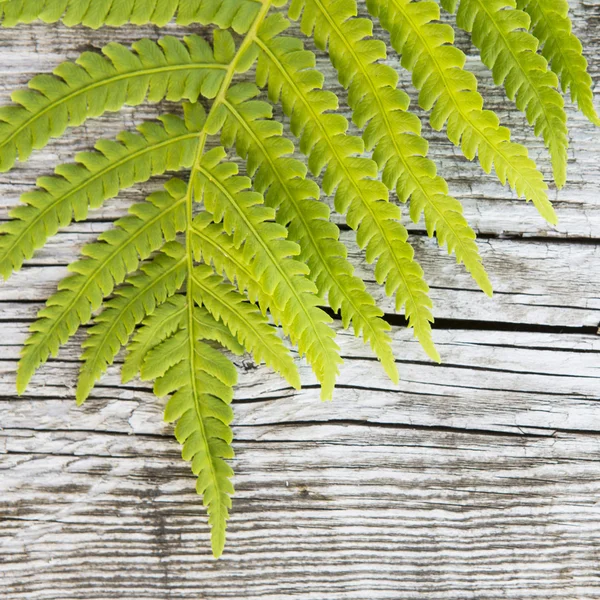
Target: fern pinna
{"type": "Point", "coordinates": [216, 258]}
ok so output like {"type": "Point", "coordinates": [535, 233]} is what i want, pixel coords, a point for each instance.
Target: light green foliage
{"type": "Point", "coordinates": [510, 51]}
{"type": "Point", "coordinates": [156, 327]}
{"type": "Point", "coordinates": [450, 92]}
{"type": "Point", "coordinates": [551, 25]}
{"type": "Point", "coordinates": [289, 73]}
{"type": "Point", "coordinates": [245, 322]}
{"type": "Point", "coordinates": [225, 261]}
{"type": "Point", "coordinates": [200, 380]}
{"type": "Point", "coordinates": [237, 14]}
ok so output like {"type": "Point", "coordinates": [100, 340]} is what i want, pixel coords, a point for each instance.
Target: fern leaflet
{"type": "Point", "coordinates": [550, 23]}
{"type": "Point", "coordinates": [237, 14]}
{"type": "Point", "coordinates": [427, 50]}
{"type": "Point", "coordinates": [165, 320]}
{"type": "Point", "coordinates": [288, 71]}
{"type": "Point", "coordinates": [243, 319]}
{"type": "Point", "coordinates": [391, 132]}
{"type": "Point", "coordinates": [499, 30]}
{"type": "Point", "coordinates": [201, 381]}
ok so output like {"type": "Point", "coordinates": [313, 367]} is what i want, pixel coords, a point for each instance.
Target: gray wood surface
{"type": "Point", "coordinates": [477, 479]}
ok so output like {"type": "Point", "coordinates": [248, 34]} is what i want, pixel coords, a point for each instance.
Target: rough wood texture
{"type": "Point", "coordinates": [477, 479]}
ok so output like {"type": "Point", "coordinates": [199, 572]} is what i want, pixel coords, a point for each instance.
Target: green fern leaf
{"type": "Point", "coordinates": [201, 381]}
{"type": "Point", "coordinates": [451, 92]}
{"type": "Point", "coordinates": [237, 14]}
{"type": "Point", "coordinates": [269, 256]}
{"type": "Point", "coordinates": [96, 177]}
{"type": "Point", "coordinates": [510, 51]}
{"type": "Point", "coordinates": [392, 134]}
{"type": "Point", "coordinates": [282, 179]}
{"type": "Point", "coordinates": [288, 71]}
{"type": "Point", "coordinates": [160, 278]}
{"type": "Point", "coordinates": [169, 69]}
{"type": "Point", "coordinates": [551, 25]}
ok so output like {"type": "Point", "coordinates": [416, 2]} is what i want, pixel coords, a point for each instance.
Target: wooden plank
{"type": "Point", "coordinates": [505, 382]}
{"type": "Point", "coordinates": [477, 479]}
{"type": "Point", "coordinates": [536, 282]}
{"type": "Point", "coordinates": [322, 511]}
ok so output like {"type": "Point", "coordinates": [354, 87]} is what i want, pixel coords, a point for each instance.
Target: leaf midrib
{"type": "Point", "coordinates": [230, 72]}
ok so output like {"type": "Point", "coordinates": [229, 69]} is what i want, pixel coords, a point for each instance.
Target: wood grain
{"type": "Point", "coordinates": [477, 479]}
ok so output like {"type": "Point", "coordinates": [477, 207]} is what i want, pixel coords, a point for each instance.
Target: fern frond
{"type": "Point", "coordinates": [168, 69]}
{"type": "Point", "coordinates": [391, 133]}
{"type": "Point", "coordinates": [551, 25]}
{"type": "Point", "coordinates": [451, 92]}
{"type": "Point", "coordinates": [500, 31]}
{"type": "Point", "coordinates": [270, 258]}
{"type": "Point", "coordinates": [244, 320]}
{"type": "Point", "coordinates": [288, 71]}
{"type": "Point", "coordinates": [159, 279]}
{"type": "Point", "coordinates": [94, 178]}
{"type": "Point", "coordinates": [244, 261]}
{"type": "Point", "coordinates": [237, 14]}
{"type": "Point", "coordinates": [201, 381]}
{"type": "Point", "coordinates": [282, 180]}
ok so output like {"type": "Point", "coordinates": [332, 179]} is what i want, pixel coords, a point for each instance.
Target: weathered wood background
{"type": "Point", "coordinates": [476, 479]}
